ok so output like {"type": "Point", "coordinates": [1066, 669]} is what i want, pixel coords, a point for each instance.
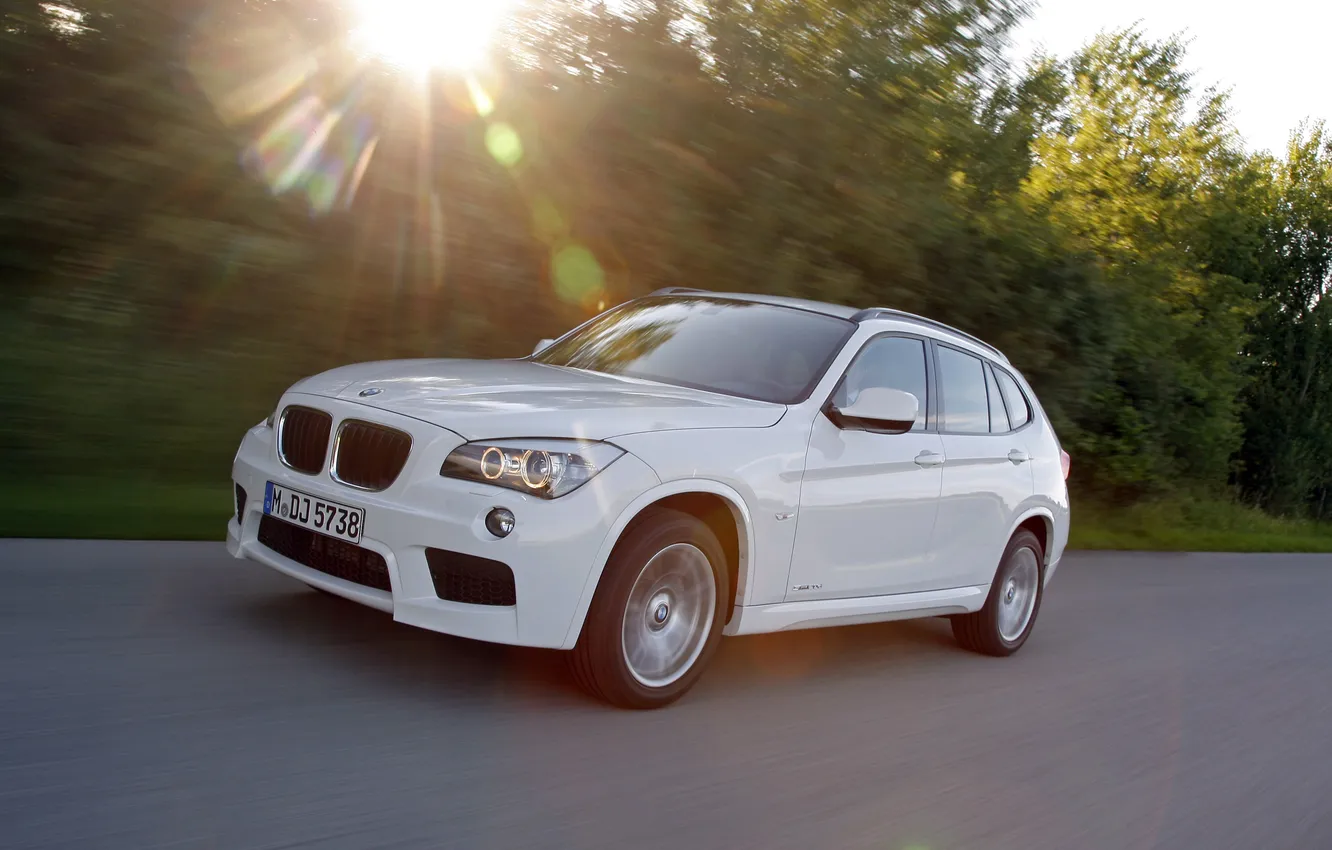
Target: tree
{"type": "Point", "coordinates": [1133, 179]}
{"type": "Point", "coordinates": [1287, 457]}
{"type": "Point", "coordinates": [208, 201]}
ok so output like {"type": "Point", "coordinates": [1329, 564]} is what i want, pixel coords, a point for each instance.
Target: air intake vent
{"type": "Point", "coordinates": [469, 579]}
{"type": "Point", "coordinates": [327, 554]}
{"type": "Point", "coordinates": [303, 438]}
{"type": "Point", "coordinates": [369, 456]}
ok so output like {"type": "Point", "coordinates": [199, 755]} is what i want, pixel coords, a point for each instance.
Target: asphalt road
{"type": "Point", "coordinates": [158, 695]}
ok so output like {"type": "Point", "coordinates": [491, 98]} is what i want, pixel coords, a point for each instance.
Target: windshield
{"type": "Point", "coordinates": [739, 348]}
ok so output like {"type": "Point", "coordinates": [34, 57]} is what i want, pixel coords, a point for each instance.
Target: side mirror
{"type": "Point", "coordinates": [541, 345]}
{"type": "Point", "coordinates": [879, 409]}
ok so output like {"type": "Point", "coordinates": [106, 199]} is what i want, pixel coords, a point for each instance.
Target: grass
{"type": "Point", "coordinates": [147, 510]}
{"type": "Point", "coordinates": [1193, 525]}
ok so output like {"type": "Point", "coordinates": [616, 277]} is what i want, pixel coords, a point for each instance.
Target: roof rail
{"type": "Point", "coordinates": [676, 290]}
{"type": "Point", "coordinates": [889, 313]}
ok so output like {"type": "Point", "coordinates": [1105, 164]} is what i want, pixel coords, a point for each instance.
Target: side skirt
{"type": "Point", "coordinates": [788, 616]}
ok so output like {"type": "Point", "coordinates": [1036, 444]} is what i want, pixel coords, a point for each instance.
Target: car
{"type": "Point", "coordinates": [683, 466]}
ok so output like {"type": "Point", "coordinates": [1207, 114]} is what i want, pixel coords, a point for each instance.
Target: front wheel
{"type": "Point", "coordinates": [657, 615]}
{"type": "Point", "coordinates": [1004, 623]}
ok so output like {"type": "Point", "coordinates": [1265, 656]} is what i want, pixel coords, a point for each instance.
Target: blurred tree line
{"type": "Point", "coordinates": [204, 201]}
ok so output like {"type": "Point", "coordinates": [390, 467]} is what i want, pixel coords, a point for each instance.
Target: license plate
{"type": "Point", "coordinates": [341, 521]}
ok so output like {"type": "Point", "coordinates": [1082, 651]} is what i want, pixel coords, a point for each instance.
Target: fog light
{"type": "Point", "coordinates": [499, 522]}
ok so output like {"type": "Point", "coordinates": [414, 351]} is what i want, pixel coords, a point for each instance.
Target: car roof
{"type": "Point", "coordinates": [841, 311]}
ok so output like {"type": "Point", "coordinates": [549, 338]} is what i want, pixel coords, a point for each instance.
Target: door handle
{"type": "Point", "coordinates": [1018, 456]}
{"type": "Point", "coordinates": [928, 459]}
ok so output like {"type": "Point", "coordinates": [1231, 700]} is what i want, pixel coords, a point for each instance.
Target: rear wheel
{"type": "Point", "coordinates": [1004, 623]}
{"type": "Point", "coordinates": [657, 614]}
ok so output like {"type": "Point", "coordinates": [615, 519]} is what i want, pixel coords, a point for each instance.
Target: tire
{"type": "Point", "coordinates": [657, 615]}
{"type": "Point", "coordinates": [1002, 625]}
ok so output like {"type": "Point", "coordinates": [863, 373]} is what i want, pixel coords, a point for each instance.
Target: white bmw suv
{"type": "Point", "coordinates": [682, 466]}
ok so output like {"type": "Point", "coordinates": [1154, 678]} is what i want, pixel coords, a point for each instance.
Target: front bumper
{"type": "Point", "coordinates": [552, 551]}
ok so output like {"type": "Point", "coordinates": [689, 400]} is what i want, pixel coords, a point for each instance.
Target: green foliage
{"type": "Point", "coordinates": [117, 509]}
{"type": "Point", "coordinates": [204, 202]}
{"type": "Point", "coordinates": [1133, 180]}
{"type": "Point", "coordinates": [1287, 454]}
{"type": "Point", "coordinates": [1182, 523]}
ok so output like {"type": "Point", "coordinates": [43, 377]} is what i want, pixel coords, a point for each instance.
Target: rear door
{"type": "Point", "coordinates": [986, 472]}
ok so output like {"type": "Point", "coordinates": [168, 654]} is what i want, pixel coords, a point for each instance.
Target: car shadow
{"type": "Point", "coordinates": [439, 667]}
{"type": "Point", "coordinates": [809, 657]}
{"type": "Point", "coordinates": [425, 663]}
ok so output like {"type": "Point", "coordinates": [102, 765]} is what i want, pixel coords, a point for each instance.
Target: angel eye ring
{"type": "Point", "coordinates": [492, 467]}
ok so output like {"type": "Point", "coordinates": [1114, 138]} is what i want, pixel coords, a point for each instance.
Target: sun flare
{"type": "Point", "coordinates": [420, 35]}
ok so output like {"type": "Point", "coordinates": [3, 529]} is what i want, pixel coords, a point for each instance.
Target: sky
{"type": "Point", "coordinates": [1269, 53]}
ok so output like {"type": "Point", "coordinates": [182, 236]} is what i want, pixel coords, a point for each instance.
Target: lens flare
{"type": "Point", "coordinates": [319, 151]}
{"type": "Point", "coordinates": [578, 277]}
{"type": "Point", "coordinates": [481, 99]}
{"type": "Point", "coordinates": [504, 144]}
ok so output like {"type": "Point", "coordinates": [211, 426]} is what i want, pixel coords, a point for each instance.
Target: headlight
{"type": "Point", "coordinates": [547, 469]}
{"type": "Point", "coordinates": [272, 417]}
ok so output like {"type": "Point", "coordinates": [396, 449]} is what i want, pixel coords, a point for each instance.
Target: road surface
{"type": "Point", "coordinates": [157, 695]}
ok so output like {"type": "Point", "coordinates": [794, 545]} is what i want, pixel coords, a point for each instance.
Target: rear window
{"type": "Point", "coordinates": [1019, 412]}
{"type": "Point", "coordinates": [966, 407]}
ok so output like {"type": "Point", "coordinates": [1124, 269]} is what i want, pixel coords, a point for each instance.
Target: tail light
{"type": "Point", "coordinates": [1065, 462]}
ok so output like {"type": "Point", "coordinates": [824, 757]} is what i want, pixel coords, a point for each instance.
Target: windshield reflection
{"type": "Point", "coordinates": [741, 348]}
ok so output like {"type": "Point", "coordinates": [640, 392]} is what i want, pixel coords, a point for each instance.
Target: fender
{"type": "Point", "coordinates": [1045, 514]}
{"type": "Point", "coordinates": [676, 487]}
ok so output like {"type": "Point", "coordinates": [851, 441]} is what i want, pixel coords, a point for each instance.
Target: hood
{"type": "Point", "coordinates": [496, 399]}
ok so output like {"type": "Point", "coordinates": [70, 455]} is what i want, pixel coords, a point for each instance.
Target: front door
{"type": "Point", "coordinates": [868, 500]}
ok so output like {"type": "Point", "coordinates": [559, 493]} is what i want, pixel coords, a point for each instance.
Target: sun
{"type": "Point", "coordinates": [419, 35]}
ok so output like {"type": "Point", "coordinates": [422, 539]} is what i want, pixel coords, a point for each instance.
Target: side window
{"type": "Point", "coordinates": [998, 416]}
{"type": "Point", "coordinates": [894, 362]}
{"type": "Point", "coordinates": [1019, 413]}
{"type": "Point", "coordinates": [966, 407]}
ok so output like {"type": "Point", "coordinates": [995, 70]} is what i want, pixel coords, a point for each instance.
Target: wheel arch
{"type": "Point", "coordinates": [1039, 521]}
{"type": "Point", "coordinates": [703, 498]}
